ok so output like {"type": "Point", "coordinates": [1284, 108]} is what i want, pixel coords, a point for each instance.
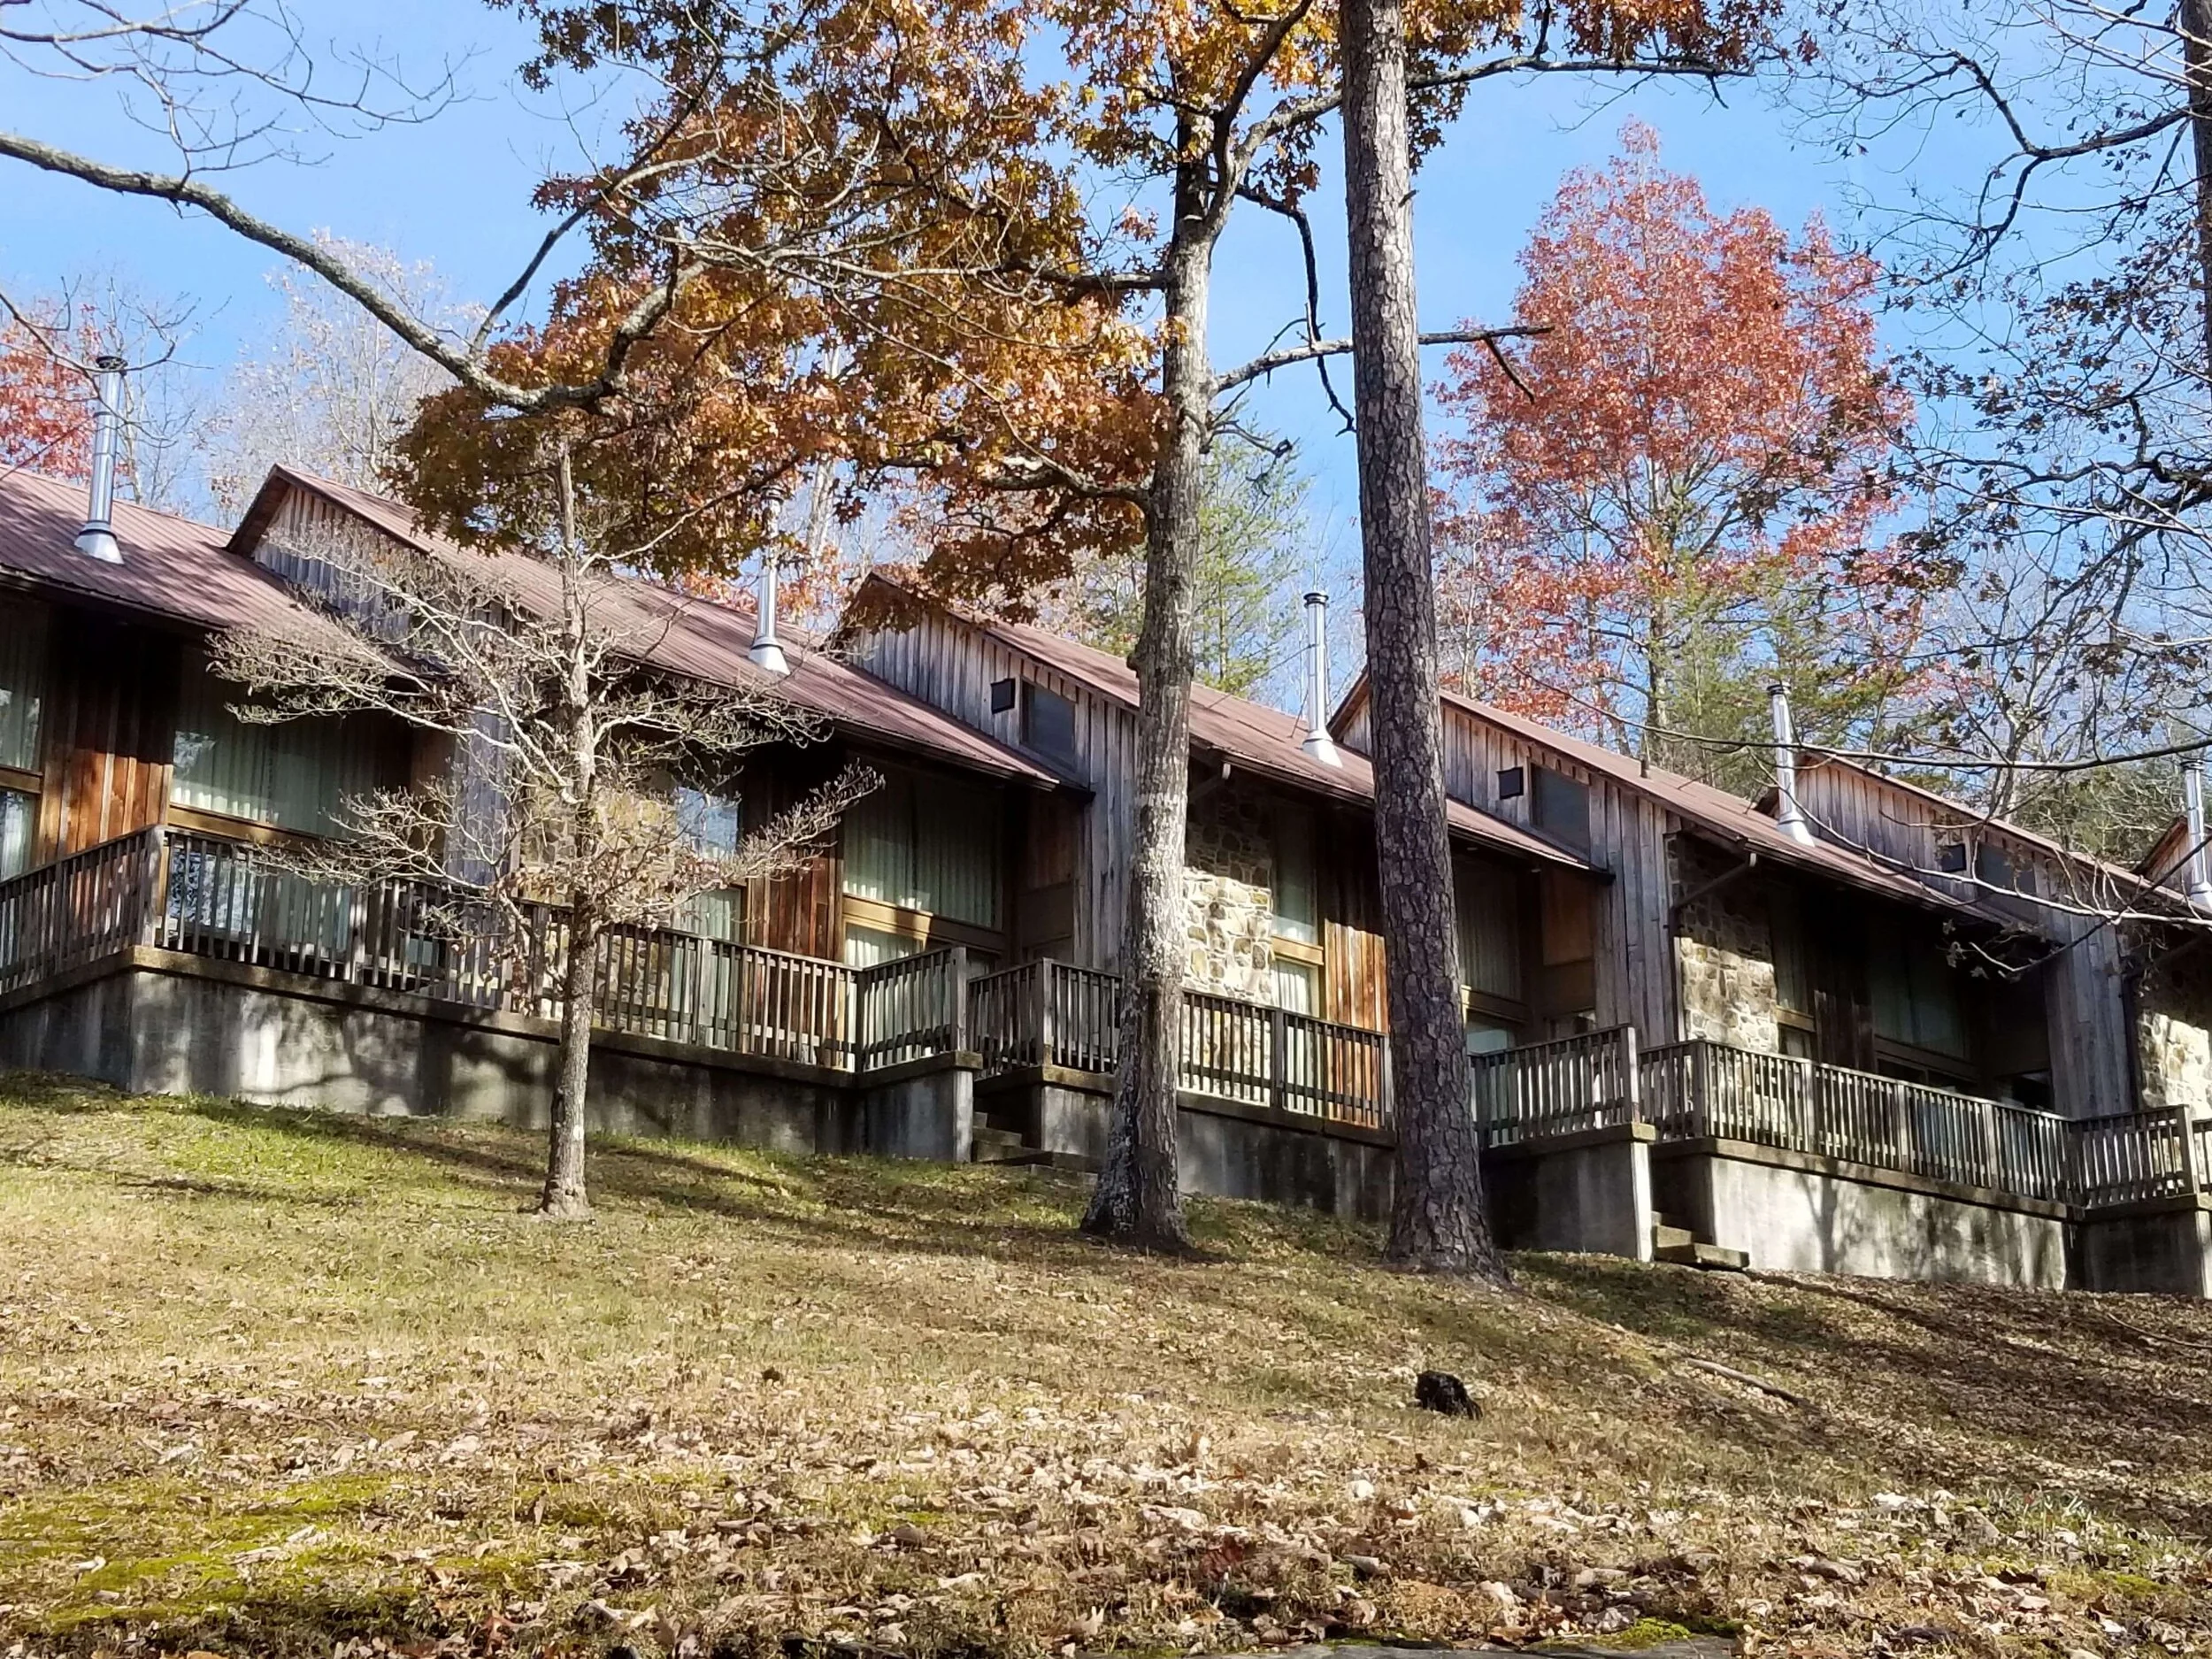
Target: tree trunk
{"type": "Point", "coordinates": [564, 1198]}
{"type": "Point", "coordinates": [1138, 1200]}
{"type": "Point", "coordinates": [1437, 1221]}
{"type": "Point", "coordinates": [2195, 21]}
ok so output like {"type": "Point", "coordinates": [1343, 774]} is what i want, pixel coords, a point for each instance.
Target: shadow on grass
{"type": "Point", "coordinates": [2010, 1377]}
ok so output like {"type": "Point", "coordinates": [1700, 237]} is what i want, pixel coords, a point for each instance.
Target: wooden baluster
{"type": "Point", "coordinates": [1047, 1034]}
{"type": "Point", "coordinates": [1278, 1058]}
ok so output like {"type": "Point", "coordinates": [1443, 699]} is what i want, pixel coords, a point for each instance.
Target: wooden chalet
{"type": "Point", "coordinates": [1954, 1021]}
{"type": "Point", "coordinates": [146, 935]}
{"type": "Point", "coordinates": [1851, 1026]}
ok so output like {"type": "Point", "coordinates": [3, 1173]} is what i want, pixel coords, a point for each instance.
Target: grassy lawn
{"type": "Point", "coordinates": [278, 1382]}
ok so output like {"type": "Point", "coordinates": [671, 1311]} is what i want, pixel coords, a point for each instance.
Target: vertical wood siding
{"type": "Point", "coordinates": [1357, 992]}
{"type": "Point", "coordinates": [109, 732]}
{"type": "Point", "coordinates": [1628, 837]}
{"type": "Point", "coordinates": [950, 665]}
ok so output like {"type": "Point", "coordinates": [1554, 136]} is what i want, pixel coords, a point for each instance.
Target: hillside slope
{"type": "Point", "coordinates": [283, 1382]}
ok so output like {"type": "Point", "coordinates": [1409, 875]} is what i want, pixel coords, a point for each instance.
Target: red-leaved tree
{"type": "Point", "coordinates": [1678, 487]}
{"type": "Point", "coordinates": [45, 404]}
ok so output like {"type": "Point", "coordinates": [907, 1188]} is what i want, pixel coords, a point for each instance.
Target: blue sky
{"type": "Point", "coordinates": [454, 192]}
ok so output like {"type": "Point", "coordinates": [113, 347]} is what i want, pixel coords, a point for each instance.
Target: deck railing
{"type": "Point", "coordinates": [77, 909]}
{"type": "Point", "coordinates": [221, 899]}
{"type": "Point", "coordinates": [1047, 1013]}
{"type": "Point", "coordinates": [226, 900]}
{"type": "Point", "coordinates": [913, 1007]}
{"type": "Point", "coordinates": [1566, 1087]}
{"type": "Point", "coordinates": [2130, 1156]}
{"type": "Point", "coordinates": [1710, 1088]}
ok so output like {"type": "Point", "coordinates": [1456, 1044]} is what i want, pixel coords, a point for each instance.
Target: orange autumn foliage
{"type": "Point", "coordinates": [45, 407]}
{"type": "Point", "coordinates": [1687, 466]}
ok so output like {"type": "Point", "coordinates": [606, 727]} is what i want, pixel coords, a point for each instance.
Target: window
{"type": "Point", "coordinates": [1512, 783]}
{"type": "Point", "coordinates": [1487, 1036]}
{"type": "Point", "coordinates": [1297, 985]}
{"type": "Point", "coordinates": [871, 947]}
{"type": "Point", "coordinates": [1785, 935]}
{"type": "Point", "coordinates": [1917, 995]}
{"type": "Point", "coordinates": [1297, 906]}
{"type": "Point", "coordinates": [715, 824]}
{"type": "Point", "coordinates": [1487, 906]}
{"type": "Point", "coordinates": [19, 817]}
{"type": "Point", "coordinates": [1048, 721]}
{"type": "Point", "coordinates": [1002, 695]}
{"type": "Point", "coordinates": [1561, 808]}
{"type": "Point", "coordinates": [928, 844]}
{"type": "Point", "coordinates": [292, 774]}
{"type": "Point", "coordinates": [22, 683]}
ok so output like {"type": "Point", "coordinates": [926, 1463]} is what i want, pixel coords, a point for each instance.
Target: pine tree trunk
{"type": "Point", "coordinates": [1437, 1221]}
{"type": "Point", "coordinates": [1137, 1199]}
{"type": "Point", "coordinates": [564, 1198]}
{"type": "Point", "coordinates": [2195, 21]}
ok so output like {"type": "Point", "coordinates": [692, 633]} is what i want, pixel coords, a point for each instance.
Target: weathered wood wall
{"type": "Point", "coordinates": [2091, 1027]}
{"type": "Point", "coordinates": [1633, 952]}
{"type": "Point", "coordinates": [951, 665]}
{"type": "Point", "coordinates": [108, 731]}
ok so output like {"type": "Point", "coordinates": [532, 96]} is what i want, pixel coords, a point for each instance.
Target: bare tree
{"type": "Point", "coordinates": [591, 781]}
{"type": "Point", "coordinates": [2060, 285]}
{"type": "Point", "coordinates": [333, 388]}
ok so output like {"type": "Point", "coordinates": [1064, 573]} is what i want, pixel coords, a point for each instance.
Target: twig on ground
{"type": "Point", "coordinates": [1747, 1379]}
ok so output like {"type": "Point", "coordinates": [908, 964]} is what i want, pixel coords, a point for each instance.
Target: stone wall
{"type": "Point", "coordinates": [1228, 897]}
{"type": "Point", "coordinates": [2173, 1032]}
{"type": "Point", "coordinates": [1725, 951]}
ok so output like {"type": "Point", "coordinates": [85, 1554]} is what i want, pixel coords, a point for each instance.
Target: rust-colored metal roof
{"type": "Point", "coordinates": [173, 569]}
{"type": "Point", "coordinates": [1729, 817]}
{"type": "Point", "coordinates": [1246, 734]}
{"type": "Point", "coordinates": [686, 634]}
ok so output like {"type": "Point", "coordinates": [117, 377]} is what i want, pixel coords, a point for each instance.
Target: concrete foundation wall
{"type": "Point", "coordinates": [923, 1109]}
{"type": "Point", "coordinates": [1583, 1193]}
{"type": "Point", "coordinates": [2161, 1248]}
{"type": "Point", "coordinates": [1800, 1215]}
{"type": "Point", "coordinates": [1226, 1152]}
{"type": "Point", "coordinates": [207, 1028]}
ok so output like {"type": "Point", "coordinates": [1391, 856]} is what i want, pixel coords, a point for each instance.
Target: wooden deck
{"type": "Point", "coordinates": [219, 899]}
{"type": "Point", "coordinates": [208, 897]}
{"type": "Point", "coordinates": [1049, 1014]}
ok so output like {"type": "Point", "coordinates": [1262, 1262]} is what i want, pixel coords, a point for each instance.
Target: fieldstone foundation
{"type": "Point", "coordinates": [1725, 947]}
{"type": "Point", "coordinates": [2173, 1032]}
{"type": "Point", "coordinates": [1228, 896]}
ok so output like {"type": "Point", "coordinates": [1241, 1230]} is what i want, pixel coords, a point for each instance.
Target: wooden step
{"type": "Point", "coordinates": [983, 1139]}
{"type": "Point", "coordinates": [1712, 1257]}
{"type": "Point", "coordinates": [1667, 1236]}
{"type": "Point", "coordinates": [1037, 1158]}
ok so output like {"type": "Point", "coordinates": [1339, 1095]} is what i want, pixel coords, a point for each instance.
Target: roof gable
{"type": "Point", "coordinates": [1262, 740]}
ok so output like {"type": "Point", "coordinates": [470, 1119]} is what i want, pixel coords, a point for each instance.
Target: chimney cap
{"type": "Point", "coordinates": [108, 360]}
{"type": "Point", "coordinates": [1777, 689]}
{"type": "Point", "coordinates": [1315, 596]}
